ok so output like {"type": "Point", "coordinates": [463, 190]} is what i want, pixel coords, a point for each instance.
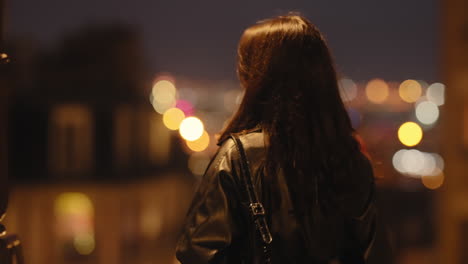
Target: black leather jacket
{"type": "Point", "coordinates": [218, 227]}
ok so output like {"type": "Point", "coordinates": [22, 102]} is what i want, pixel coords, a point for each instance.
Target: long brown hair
{"type": "Point", "coordinates": [291, 92]}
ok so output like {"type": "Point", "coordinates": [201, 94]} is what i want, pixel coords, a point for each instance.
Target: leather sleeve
{"type": "Point", "coordinates": [365, 227]}
{"type": "Point", "coordinates": [210, 226]}
{"type": "Point", "coordinates": [362, 210]}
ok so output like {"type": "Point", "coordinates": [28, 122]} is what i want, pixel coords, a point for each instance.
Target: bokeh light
{"type": "Point", "coordinates": [427, 112]}
{"type": "Point", "coordinates": [440, 163]}
{"type": "Point", "coordinates": [84, 244]}
{"type": "Point", "coordinates": [410, 91]}
{"type": "Point", "coordinates": [73, 203]}
{"type": "Point", "coordinates": [397, 160]}
{"type": "Point", "coordinates": [410, 134]}
{"type": "Point", "coordinates": [191, 128]}
{"type": "Point", "coordinates": [185, 106]}
{"type": "Point", "coordinates": [74, 212]}
{"type": "Point", "coordinates": [430, 165]}
{"type": "Point", "coordinates": [377, 91]}
{"type": "Point", "coordinates": [163, 88]}
{"type": "Point", "coordinates": [163, 96]}
{"type": "Point", "coordinates": [413, 162]}
{"type": "Point", "coordinates": [173, 117]}
{"type": "Point", "coordinates": [436, 93]}
{"type": "Point", "coordinates": [198, 162]}
{"type": "Point", "coordinates": [4, 58]}
{"type": "Point", "coordinates": [416, 163]}
{"type": "Point", "coordinates": [433, 181]}
{"type": "Point", "coordinates": [200, 144]}
{"type": "Point", "coordinates": [348, 89]}
{"type": "Point", "coordinates": [162, 107]}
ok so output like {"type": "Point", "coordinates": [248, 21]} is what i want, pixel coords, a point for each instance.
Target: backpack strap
{"type": "Point", "coordinates": [256, 209]}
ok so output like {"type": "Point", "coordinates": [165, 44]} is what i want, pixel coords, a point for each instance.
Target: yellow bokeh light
{"type": "Point", "coordinates": [191, 128]}
{"type": "Point", "coordinates": [433, 181]}
{"type": "Point", "coordinates": [73, 203]}
{"type": "Point", "coordinates": [377, 91]}
{"type": "Point", "coordinates": [410, 91]}
{"type": "Point", "coordinates": [172, 118]}
{"type": "Point", "coordinates": [84, 244]}
{"type": "Point", "coordinates": [200, 144]}
{"type": "Point", "coordinates": [410, 134]}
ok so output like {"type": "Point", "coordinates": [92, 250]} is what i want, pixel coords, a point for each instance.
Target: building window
{"type": "Point", "coordinates": [71, 139]}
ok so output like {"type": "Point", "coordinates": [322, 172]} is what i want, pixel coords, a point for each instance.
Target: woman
{"type": "Point", "coordinates": [307, 167]}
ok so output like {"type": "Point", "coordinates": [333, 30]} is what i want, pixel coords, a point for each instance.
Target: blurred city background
{"type": "Point", "coordinates": [110, 110]}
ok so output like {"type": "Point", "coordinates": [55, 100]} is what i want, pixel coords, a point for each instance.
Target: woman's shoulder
{"type": "Point", "coordinates": [227, 159]}
{"type": "Point", "coordinates": [251, 140]}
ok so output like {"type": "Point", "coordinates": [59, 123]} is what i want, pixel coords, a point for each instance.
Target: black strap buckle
{"type": "Point", "coordinates": [257, 209]}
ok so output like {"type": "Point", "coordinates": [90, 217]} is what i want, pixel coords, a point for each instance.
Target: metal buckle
{"type": "Point", "coordinates": [266, 237]}
{"type": "Point", "coordinates": [257, 209]}
{"type": "Point", "coordinates": [4, 58]}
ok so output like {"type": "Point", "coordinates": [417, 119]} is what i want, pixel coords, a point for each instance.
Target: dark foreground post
{"type": "Point", "coordinates": [10, 246]}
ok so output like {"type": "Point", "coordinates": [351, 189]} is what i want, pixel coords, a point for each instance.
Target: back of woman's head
{"type": "Point", "coordinates": [291, 92]}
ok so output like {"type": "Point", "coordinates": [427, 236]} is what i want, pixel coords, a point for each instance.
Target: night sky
{"type": "Point", "coordinates": [394, 40]}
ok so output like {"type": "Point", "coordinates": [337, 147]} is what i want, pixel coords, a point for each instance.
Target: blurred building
{"type": "Point", "coordinates": [453, 200]}
{"type": "Point", "coordinates": [97, 178]}
{"type": "Point", "coordinates": [81, 111]}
